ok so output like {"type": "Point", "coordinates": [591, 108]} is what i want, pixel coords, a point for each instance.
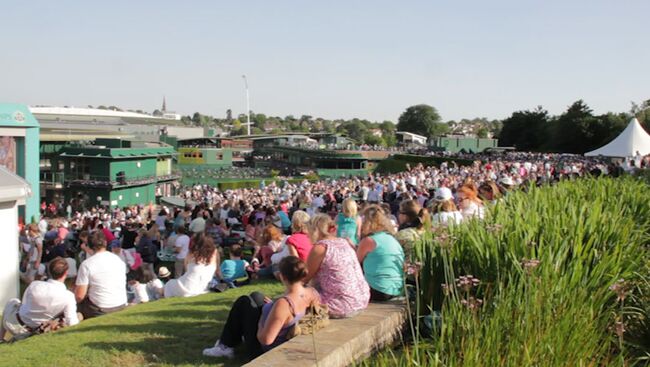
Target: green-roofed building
{"type": "Point", "coordinates": [117, 173]}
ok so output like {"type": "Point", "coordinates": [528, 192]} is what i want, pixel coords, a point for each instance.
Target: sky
{"type": "Point", "coordinates": [330, 59]}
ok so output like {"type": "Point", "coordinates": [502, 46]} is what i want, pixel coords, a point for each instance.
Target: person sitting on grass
{"type": "Point", "coordinates": [42, 302]}
{"type": "Point", "coordinates": [262, 324]}
{"type": "Point", "coordinates": [381, 255]}
{"type": "Point", "coordinates": [101, 281]}
{"type": "Point", "coordinates": [138, 286]}
{"type": "Point", "coordinates": [234, 270]}
{"type": "Point", "coordinates": [335, 270]}
{"type": "Point", "coordinates": [201, 264]}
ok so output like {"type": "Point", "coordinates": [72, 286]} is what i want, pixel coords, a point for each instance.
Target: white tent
{"type": "Point", "coordinates": [634, 138]}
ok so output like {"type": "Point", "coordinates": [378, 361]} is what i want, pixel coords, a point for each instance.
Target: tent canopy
{"type": "Point", "coordinates": [633, 139]}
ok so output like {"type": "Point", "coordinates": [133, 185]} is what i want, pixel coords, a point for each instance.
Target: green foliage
{"type": "Point", "coordinates": [423, 120]}
{"type": "Point", "coordinates": [549, 262]}
{"type": "Point", "coordinates": [168, 332]}
{"type": "Point", "coordinates": [398, 162]}
{"type": "Point", "coordinates": [525, 130]}
{"type": "Point", "coordinates": [577, 130]}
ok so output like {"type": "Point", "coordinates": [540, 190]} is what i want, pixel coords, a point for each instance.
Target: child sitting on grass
{"type": "Point", "coordinates": [235, 270]}
{"type": "Point", "coordinates": [138, 286]}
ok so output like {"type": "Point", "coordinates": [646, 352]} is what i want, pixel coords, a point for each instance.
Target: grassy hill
{"type": "Point", "coordinates": [163, 333]}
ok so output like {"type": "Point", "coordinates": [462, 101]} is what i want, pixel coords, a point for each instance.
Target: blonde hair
{"type": "Point", "coordinates": [320, 226]}
{"type": "Point", "coordinates": [300, 222]}
{"type": "Point", "coordinates": [350, 208]}
{"type": "Point", "coordinates": [375, 220]}
{"type": "Point", "coordinates": [444, 206]}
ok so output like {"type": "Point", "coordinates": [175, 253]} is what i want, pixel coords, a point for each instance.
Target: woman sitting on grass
{"type": "Point", "coordinates": [381, 255]}
{"type": "Point", "coordinates": [262, 324]}
{"type": "Point", "coordinates": [335, 270]}
{"type": "Point", "coordinates": [413, 219]}
{"type": "Point", "coordinates": [201, 265]}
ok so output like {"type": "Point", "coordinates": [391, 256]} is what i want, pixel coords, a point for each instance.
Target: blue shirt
{"type": "Point", "coordinates": [233, 269]}
{"type": "Point", "coordinates": [286, 222]}
{"type": "Point", "coordinates": [383, 267]}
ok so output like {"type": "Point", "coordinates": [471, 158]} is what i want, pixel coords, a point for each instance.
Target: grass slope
{"type": "Point", "coordinates": [167, 332]}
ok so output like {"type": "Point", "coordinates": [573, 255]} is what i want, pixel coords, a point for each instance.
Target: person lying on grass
{"type": "Point", "coordinates": [262, 324]}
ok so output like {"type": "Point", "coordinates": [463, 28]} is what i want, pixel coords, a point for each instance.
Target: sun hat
{"type": "Point", "coordinates": [507, 181]}
{"type": "Point", "coordinates": [163, 272]}
{"type": "Point", "coordinates": [443, 194]}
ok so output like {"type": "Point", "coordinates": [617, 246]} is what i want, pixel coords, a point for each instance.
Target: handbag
{"type": "Point", "coordinates": [137, 261]}
{"type": "Point", "coordinates": [316, 317]}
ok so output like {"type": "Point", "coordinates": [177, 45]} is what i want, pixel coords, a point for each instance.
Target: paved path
{"type": "Point", "coordinates": [342, 342]}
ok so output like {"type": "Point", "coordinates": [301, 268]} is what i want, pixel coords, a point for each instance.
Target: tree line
{"type": "Point", "coordinates": [577, 130]}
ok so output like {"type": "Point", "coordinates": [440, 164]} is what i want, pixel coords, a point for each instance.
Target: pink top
{"type": "Point", "coordinates": [340, 280]}
{"type": "Point", "coordinates": [302, 244]}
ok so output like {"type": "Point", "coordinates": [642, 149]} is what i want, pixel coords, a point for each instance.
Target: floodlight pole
{"type": "Point", "coordinates": [248, 105]}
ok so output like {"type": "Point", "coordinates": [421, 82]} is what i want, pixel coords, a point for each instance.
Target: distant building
{"type": "Point", "coordinates": [458, 143]}
{"type": "Point", "coordinates": [407, 138]}
{"type": "Point", "coordinates": [94, 121]}
{"type": "Point", "coordinates": [117, 173]}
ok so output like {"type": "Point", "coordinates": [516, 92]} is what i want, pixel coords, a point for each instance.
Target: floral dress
{"type": "Point", "coordinates": [340, 280]}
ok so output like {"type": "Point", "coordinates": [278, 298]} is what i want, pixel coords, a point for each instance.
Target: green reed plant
{"type": "Point", "coordinates": [544, 267]}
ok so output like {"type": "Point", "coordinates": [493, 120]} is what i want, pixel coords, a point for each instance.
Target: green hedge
{"type": "Point", "coordinates": [397, 163]}
{"type": "Point", "coordinates": [255, 183]}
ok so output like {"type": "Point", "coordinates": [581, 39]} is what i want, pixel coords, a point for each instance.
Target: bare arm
{"type": "Point", "coordinates": [268, 332]}
{"type": "Point", "coordinates": [366, 246]}
{"type": "Point", "coordinates": [292, 250]}
{"type": "Point", "coordinates": [80, 292]}
{"type": "Point", "coordinates": [315, 259]}
{"type": "Point", "coordinates": [358, 227]}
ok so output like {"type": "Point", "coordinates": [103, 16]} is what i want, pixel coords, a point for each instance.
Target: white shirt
{"type": "Point", "coordinates": [140, 292]}
{"type": "Point", "coordinates": [447, 218]}
{"type": "Point", "coordinates": [43, 301]}
{"type": "Point", "coordinates": [72, 267]}
{"type": "Point", "coordinates": [182, 242]}
{"type": "Point", "coordinates": [104, 275]}
{"type": "Point", "coordinates": [42, 226]}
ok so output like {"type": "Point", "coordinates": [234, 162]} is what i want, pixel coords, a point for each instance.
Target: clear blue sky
{"type": "Point", "coordinates": [334, 59]}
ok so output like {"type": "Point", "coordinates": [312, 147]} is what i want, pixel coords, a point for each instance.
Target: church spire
{"type": "Point", "coordinates": [164, 106]}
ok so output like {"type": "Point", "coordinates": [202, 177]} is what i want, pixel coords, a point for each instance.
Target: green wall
{"type": "Point", "coordinates": [133, 195]}
{"type": "Point", "coordinates": [130, 167]}
{"type": "Point", "coordinates": [455, 145]}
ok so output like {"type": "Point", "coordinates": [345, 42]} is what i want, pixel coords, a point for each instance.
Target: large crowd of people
{"type": "Point", "coordinates": [340, 242]}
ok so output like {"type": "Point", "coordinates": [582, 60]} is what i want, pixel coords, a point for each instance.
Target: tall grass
{"type": "Point", "coordinates": [563, 281]}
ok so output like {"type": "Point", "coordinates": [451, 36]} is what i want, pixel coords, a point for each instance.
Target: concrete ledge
{"type": "Point", "coordinates": [342, 342]}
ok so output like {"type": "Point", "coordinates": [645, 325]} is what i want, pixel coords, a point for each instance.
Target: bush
{"type": "Point", "coordinates": [398, 162]}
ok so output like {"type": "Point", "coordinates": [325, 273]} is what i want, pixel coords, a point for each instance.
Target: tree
{"type": "Point", "coordinates": [526, 130]}
{"type": "Point", "coordinates": [423, 120]}
{"type": "Point", "coordinates": [482, 132]}
{"type": "Point", "coordinates": [354, 130]}
{"type": "Point", "coordinates": [572, 131]}
{"type": "Point", "coordinates": [157, 113]}
{"type": "Point", "coordinates": [642, 112]}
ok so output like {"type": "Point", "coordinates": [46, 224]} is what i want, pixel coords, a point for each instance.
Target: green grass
{"type": "Point", "coordinates": [162, 333]}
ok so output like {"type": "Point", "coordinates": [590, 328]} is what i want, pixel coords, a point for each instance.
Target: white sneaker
{"type": "Point", "coordinates": [219, 350]}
